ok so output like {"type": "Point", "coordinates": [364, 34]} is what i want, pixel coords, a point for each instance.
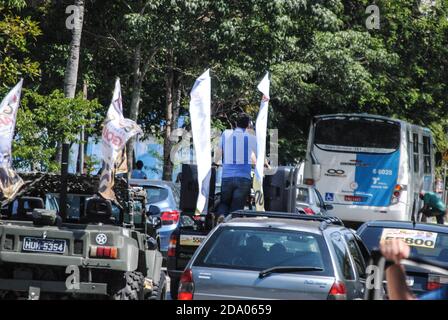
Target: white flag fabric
{"type": "Point", "coordinates": [261, 132]}
{"type": "Point", "coordinates": [200, 125]}
{"type": "Point", "coordinates": [8, 115]}
{"type": "Point", "coordinates": [116, 132]}
{"type": "Point", "coordinates": [10, 182]}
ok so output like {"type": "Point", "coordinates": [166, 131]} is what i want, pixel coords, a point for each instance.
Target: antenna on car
{"type": "Point", "coordinates": [64, 177]}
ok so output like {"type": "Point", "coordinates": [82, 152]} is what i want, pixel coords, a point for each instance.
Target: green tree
{"type": "Point", "coordinates": [45, 120]}
{"type": "Point", "coordinates": [17, 35]}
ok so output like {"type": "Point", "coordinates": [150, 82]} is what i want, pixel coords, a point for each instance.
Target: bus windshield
{"type": "Point", "coordinates": [357, 134]}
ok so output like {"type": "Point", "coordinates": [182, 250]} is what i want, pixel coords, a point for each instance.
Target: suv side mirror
{"type": "Point", "coordinates": [154, 210]}
{"type": "Point", "coordinates": [328, 207]}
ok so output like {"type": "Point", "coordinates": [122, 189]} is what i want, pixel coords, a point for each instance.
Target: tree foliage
{"type": "Point", "coordinates": [321, 57]}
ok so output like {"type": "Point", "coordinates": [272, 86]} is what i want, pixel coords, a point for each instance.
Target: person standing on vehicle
{"type": "Point", "coordinates": [138, 173]}
{"type": "Point", "coordinates": [433, 206]}
{"type": "Point", "coordinates": [395, 250]}
{"type": "Point", "coordinates": [237, 150]}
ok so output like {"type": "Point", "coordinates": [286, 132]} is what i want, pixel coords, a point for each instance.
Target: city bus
{"type": "Point", "coordinates": [369, 167]}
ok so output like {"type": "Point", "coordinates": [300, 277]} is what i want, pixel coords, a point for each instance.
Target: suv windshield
{"type": "Point", "coordinates": [357, 135]}
{"type": "Point", "coordinates": [261, 248]}
{"type": "Point", "coordinates": [76, 206]}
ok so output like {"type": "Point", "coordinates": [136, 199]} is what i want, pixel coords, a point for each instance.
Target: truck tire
{"type": "Point", "coordinates": [174, 288]}
{"type": "Point", "coordinates": [130, 286]}
{"type": "Point", "coordinates": [159, 290]}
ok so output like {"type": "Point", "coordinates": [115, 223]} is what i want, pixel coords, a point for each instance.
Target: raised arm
{"type": "Point", "coordinates": [395, 250]}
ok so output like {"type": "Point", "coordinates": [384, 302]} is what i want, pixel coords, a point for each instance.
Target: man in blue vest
{"type": "Point", "coordinates": [238, 148]}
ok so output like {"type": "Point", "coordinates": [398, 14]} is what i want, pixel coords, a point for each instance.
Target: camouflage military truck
{"type": "Point", "coordinates": [99, 249]}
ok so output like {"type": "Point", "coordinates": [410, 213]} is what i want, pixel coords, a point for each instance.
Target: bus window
{"type": "Point", "coordinates": [357, 135]}
{"type": "Point", "coordinates": [426, 154]}
{"type": "Point", "coordinates": [416, 152]}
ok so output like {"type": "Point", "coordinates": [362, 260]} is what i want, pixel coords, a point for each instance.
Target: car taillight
{"type": "Point", "coordinates": [170, 217]}
{"type": "Point", "coordinates": [337, 291]}
{"type": "Point", "coordinates": [436, 282]}
{"type": "Point", "coordinates": [308, 211]}
{"type": "Point", "coordinates": [103, 252]}
{"type": "Point", "coordinates": [186, 286]}
{"type": "Point", "coordinates": [172, 246]}
{"type": "Point", "coordinates": [309, 182]}
{"type": "Point", "coordinates": [396, 194]}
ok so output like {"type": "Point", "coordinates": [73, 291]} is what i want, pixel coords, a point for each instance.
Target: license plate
{"type": "Point", "coordinates": [43, 245]}
{"type": "Point", "coordinates": [354, 198]}
{"type": "Point", "coordinates": [187, 240]}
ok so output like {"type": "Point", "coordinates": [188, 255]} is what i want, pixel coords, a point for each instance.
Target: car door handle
{"type": "Point", "coordinates": [206, 276]}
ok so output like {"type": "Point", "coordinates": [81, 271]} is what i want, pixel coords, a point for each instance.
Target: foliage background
{"type": "Point", "coordinates": [321, 57]}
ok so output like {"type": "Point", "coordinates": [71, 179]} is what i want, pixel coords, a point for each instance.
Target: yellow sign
{"type": "Point", "coordinates": [415, 238]}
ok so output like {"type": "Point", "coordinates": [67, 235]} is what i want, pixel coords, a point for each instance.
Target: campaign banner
{"type": "Point", "coordinates": [261, 131]}
{"type": "Point", "coordinates": [117, 131]}
{"type": "Point", "coordinates": [10, 182]}
{"type": "Point", "coordinates": [200, 126]}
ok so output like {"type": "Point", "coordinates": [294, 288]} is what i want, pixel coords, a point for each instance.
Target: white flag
{"type": "Point", "coordinates": [10, 182]}
{"type": "Point", "coordinates": [116, 132]}
{"type": "Point", "coordinates": [261, 132]}
{"type": "Point", "coordinates": [8, 114]}
{"type": "Point", "coordinates": [200, 126]}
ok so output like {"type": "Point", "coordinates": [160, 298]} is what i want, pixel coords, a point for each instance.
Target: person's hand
{"type": "Point", "coordinates": [395, 250]}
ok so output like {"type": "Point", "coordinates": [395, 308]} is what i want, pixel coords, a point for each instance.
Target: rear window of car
{"type": "Point", "coordinates": [430, 245]}
{"type": "Point", "coordinates": [261, 248]}
{"type": "Point", "coordinates": [303, 195]}
{"type": "Point", "coordinates": [156, 194]}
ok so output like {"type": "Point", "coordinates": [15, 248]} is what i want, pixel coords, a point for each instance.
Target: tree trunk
{"type": "Point", "coordinates": [167, 165]}
{"type": "Point", "coordinates": [135, 103]}
{"type": "Point", "coordinates": [71, 70]}
{"type": "Point", "coordinates": [173, 97]}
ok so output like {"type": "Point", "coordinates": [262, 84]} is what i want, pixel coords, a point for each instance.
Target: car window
{"type": "Point", "coordinates": [76, 205]}
{"type": "Point", "coordinates": [342, 256]}
{"type": "Point", "coordinates": [156, 194]}
{"type": "Point", "coordinates": [260, 248]}
{"type": "Point", "coordinates": [437, 250]}
{"type": "Point", "coordinates": [356, 254]}
{"type": "Point", "coordinates": [303, 195]}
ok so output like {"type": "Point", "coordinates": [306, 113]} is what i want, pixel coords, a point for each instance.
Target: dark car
{"type": "Point", "coordinates": [427, 241]}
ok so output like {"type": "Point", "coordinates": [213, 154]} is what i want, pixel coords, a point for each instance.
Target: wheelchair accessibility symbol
{"type": "Point", "coordinates": [329, 196]}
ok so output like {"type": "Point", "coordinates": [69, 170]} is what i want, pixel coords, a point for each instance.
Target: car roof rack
{"type": "Point", "coordinates": [325, 220]}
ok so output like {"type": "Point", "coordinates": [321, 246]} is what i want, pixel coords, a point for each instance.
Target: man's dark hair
{"type": "Point", "coordinates": [139, 164]}
{"type": "Point", "coordinates": [243, 120]}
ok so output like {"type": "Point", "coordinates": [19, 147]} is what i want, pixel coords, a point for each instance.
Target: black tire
{"type": "Point", "coordinates": [129, 287]}
{"type": "Point", "coordinates": [174, 288]}
{"type": "Point", "coordinates": [159, 290]}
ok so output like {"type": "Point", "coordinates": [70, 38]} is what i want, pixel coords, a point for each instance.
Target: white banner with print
{"type": "Point", "coordinates": [200, 125]}
{"type": "Point", "coordinates": [116, 132]}
{"type": "Point", "coordinates": [261, 132]}
{"type": "Point", "coordinates": [10, 182]}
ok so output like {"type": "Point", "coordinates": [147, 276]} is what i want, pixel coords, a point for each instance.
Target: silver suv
{"type": "Point", "coordinates": [268, 255]}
